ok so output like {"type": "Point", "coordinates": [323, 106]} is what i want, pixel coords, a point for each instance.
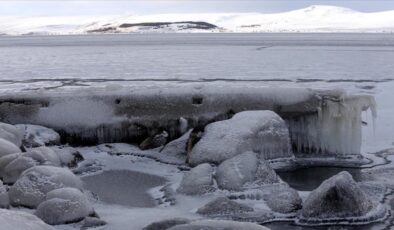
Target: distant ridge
{"type": "Point", "coordinates": [315, 18]}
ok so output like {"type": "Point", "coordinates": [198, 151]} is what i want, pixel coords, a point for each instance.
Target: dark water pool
{"type": "Point", "coordinates": [307, 179]}
{"type": "Point", "coordinates": [123, 187]}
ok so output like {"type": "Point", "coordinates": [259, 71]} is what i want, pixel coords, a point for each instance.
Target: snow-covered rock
{"type": "Point", "coordinates": [16, 167]}
{"type": "Point", "coordinates": [155, 141]}
{"type": "Point", "coordinates": [33, 185]}
{"type": "Point", "coordinates": [64, 205]}
{"type": "Point", "coordinates": [4, 200]}
{"type": "Point", "coordinates": [92, 222]}
{"type": "Point", "coordinates": [47, 155]}
{"type": "Point", "coordinates": [35, 135]}
{"type": "Point", "coordinates": [263, 132]}
{"type": "Point", "coordinates": [69, 156]}
{"type": "Point", "coordinates": [223, 206]}
{"type": "Point", "coordinates": [177, 148]}
{"type": "Point", "coordinates": [265, 174]}
{"type": "Point", "coordinates": [17, 220]}
{"type": "Point", "coordinates": [218, 225]}
{"type": "Point", "coordinates": [5, 160]}
{"type": "Point", "coordinates": [337, 197]}
{"type": "Point", "coordinates": [166, 224]}
{"type": "Point", "coordinates": [7, 147]}
{"type": "Point", "coordinates": [198, 181]}
{"type": "Point", "coordinates": [11, 134]}
{"type": "Point", "coordinates": [283, 199]}
{"type": "Point", "coordinates": [233, 173]}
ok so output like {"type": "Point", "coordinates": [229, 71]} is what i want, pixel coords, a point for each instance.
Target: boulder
{"type": "Point", "coordinates": [5, 160]}
{"type": "Point", "coordinates": [35, 135]}
{"type": "Point", "coordinates": [233, 173]}
{"type": "Point", "coordinates": [92, 222]}
{"type": "Point", "coordinates": [198, 181]}
{"type": "Point", "coordinates": [218, 225]}
{"type": "Point", "coordinates": [7, 147]}
{"type": "Point", "coordinates": [283, 199]}
{"type": "Point", "coordinates": [64, 205]}
{"type": "Point", "coordinates": [265, 174]}
{"type": "Point", "coordinates": [69, 156]}
{"type": "Point", "coordinates": [16, 167]}
{"type": "Point", "coordinates": [177, 148]}
{"type": "Point", "coordinates": [11, 134]}
{"type": "Point", "coordinates": [157, 140]}
{"type": "Point", "coordinates": [17, 220]}
{"type": "Point", "coordinates": [166, 224]}
{"type": "Point", "coordinates": [4, 200]}
{"type": "Point", "coordinates": [223, 206]}
{"type": "Point", "coordinates": [337, 197]}
{"type": "Point", "coordinates": [263, 132]}
{"type": "Point", "coordinates": [44, 155]}
{"type": "Point", "coordinates": [33, 185]}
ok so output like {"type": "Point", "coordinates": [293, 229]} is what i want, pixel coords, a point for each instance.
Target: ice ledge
{"type": "Point", "coordinates": [320, 122]}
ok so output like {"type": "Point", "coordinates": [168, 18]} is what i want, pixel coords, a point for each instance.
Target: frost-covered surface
{"type": "Point", "coordinates": [4, 200]}
{"type": "Point", "coordinates": [35, 135]}
{"type": "Point", "coordinates": [223, 206]}
{"type": "Point", "coordinates": [311, 19]}
{"type": "Point", "coordinates": [263, 132]}
{"type": "Point", "coordinates": [64, 205]}
{"type": "Point", "coordinates": [339, 199]}
{"type": "Point", "coordinates": [18, 220]}
{"type": "Point", "coordinates": [33, 185]}
{"type": "Point", "coordinates": [11, 133]}
{"type": "Point", "coordinates": [176, 149]}
{"type": "Point", "coordinates": [198, 181]}
{"type": "Point", "coordinates": [7, 147]}
{"type": "Point", "coordinates": [218, 224]}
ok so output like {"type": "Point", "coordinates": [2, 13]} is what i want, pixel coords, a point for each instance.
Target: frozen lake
{"type": "Point", "coordinates": [190, 57]}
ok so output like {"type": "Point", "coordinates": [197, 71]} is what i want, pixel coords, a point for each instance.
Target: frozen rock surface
{"type": "Point", "coordinates": [16, 167]}
{"type": "Point", "coordinates": [11, 133]}
{"type": "Point", "coordinates": [218, 225]}
{"type": "Point", "coordinates": [5, 160]}
{"type": "Point", "coordinates": [266, 175]}
{"type": "Point", "coordinates": [177, 148]}
{"type": "Point", "coordinates": [337, 197]}
{"type": "Point", "coordinates": [7, 147]}
{"type": "Point", "coordinates": [4, 200]}
{"type": "Point", "coordinates": [33, 185]}
{"type": "Point", "coordinates": [35, 135]}
{"type": "Point", "coordinates": [92, 222]}
{"type": "Point", "coordinates": [69, 156]}
{"type": "Point", "coordinates": [48, 155]}
{"type": "Point", "coordinates": [64, 205]}
{"type": "Point", "coordinates": [166, 224]}
{"type": "Point", "coordinates": [155, 141]}
{"type": "Point", "coordinates": [263, 132]}
{"type": "Point", "coordinates": [198, 181]}
{"type": "Point", "coordinates": [284, 199]}
{"type": "Point", "coordinates": [17, 220]}
{"type": "Point", "coordinates": [233, 173]}
{"type": "Point", "coordinates": [223, 206]}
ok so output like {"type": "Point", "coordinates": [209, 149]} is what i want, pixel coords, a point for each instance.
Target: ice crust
{"type": "Point", "coordinates": [198, 181]}
{"type": "Point", "coordinates": [263, 132]}
{"type": "Point", "coordinates": [11, 133]}
{"type": "Point", "coordinates": [7, 147]}
{"type": "Point", "coordinates": [35, 135]}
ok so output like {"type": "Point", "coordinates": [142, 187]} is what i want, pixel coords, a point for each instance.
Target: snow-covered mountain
{"type": "Point", "coordinates": [311, 19]}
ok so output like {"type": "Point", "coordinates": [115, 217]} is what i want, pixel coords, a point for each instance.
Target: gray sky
{"type": "Point", "coordinates": [108, 7]}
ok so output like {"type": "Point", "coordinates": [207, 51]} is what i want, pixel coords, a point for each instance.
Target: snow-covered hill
{"type": "Point", "coordinates": [311, 19]}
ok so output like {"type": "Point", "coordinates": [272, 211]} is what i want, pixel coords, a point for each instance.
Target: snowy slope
{"type": "Point", "coordinates": [311, 19]}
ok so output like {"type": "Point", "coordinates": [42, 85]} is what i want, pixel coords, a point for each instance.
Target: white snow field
{"type": "Point", "coordinates": [100, 96]}
{"type": "Point", "coordinates": [317, 18]}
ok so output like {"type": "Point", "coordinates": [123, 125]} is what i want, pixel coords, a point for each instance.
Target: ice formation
{"type": "Point", "coordinates": [47, 155]}
{"type": "Point", "coordinates": [263, 132]}
{"type": "Point", "coordinates": [283, 199]}
{"type": "Point", "coordinates": [335, 130]}
{"type": "Point", "coordinates": [7, 147]}
{"type": "Point", "coordinates": [11, 134]}
{"type": "Point", "coordinates": [198, 181]}
{"type": "Point", "coordinates": [35, 135]}
{"type": "Point", "coordinates": [33, 185]}
{"type": "Point", "coordinates": [177, 147]}
{"type": "Point", "coordinates": [5, 160]}
{"type": "Point", "coordinates": [17, 220]}
{"type": "Point", "coordinates": [155, 141]}
{"type": "Point", "coordinates": [64, 205]}
{"type": "Point", "coordinates": [338, 197]}
{"type": "Point", "coordinates": [217, 224]}
{"type": "Point", "coordinates": [166, 224]}
{"type": "Point", "coordinates": [16, 167]}
{"type": "Point", "coordinates": [68, 156]}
